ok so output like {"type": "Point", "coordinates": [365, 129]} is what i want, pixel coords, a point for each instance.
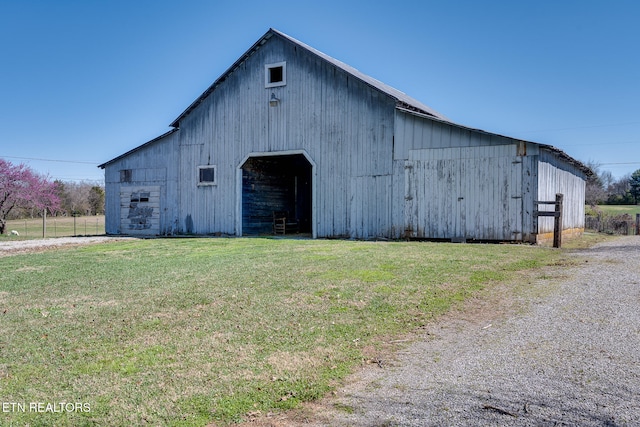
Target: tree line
{"type": "Point", "coordinates": [80, 198]}
{"type": "Point", "coordinates": [603, 188]}
{"type": "Point", "coordinates": [25, 193]}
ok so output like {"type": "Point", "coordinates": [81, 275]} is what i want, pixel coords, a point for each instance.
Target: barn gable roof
{"type": "Point", "coordinates": [404, 102]}
{"type": "Point", "coordinates": [402, 99]}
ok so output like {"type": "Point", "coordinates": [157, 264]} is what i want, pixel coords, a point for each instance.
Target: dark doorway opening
{"type": "Point", "coordinates": [276, 184]}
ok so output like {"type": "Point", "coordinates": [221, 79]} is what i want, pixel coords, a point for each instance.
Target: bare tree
{"type": "Point", "coordinates": [96, 200]}
{"type": "Point", "coordinates": [595, 190]}
{"type": "Point", "coordinates": [81, 198]}
{"type": "Point", "coordinates": [618, 191]}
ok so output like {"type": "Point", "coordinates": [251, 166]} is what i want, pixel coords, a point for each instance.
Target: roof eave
{"type": "Point", "coordinates": [400, 97]}
{"type": "Point", "coordinates": [558, 152]}
{"type": "Point", "coordinates": [139, 147]}
{"type": "Point", "coordinates": [564, 156]}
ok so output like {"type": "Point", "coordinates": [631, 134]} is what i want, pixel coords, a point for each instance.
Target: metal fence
{"type": "Point", "coordinates": [617, 224]}
{"type": "Point", "coordinates": [57, 227]}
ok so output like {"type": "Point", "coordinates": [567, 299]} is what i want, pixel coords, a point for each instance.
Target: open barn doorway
{"type": "Point", "coordinates": [276, 187]}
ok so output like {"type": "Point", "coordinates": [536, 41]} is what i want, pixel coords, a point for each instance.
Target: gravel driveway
{"type": "Point", "coordinates": [13, 247]}
{"type": "Point", "coordinates": [567, 356]}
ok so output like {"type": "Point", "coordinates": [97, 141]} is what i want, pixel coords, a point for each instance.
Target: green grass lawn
{"type": "Point", "coordinates": [184, 332]}
{"type": "Point", "coordinates": [55, 227]}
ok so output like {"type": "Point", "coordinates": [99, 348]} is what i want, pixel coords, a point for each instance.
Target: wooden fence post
{"type": "Point", "coordinates": [44, 223]}
{"type": "Point", "coordinates": [557, 222]}
{"type": "Point", "coordinates": [638, 224]}
{"type": "Point", "coordinates": [557, 218]}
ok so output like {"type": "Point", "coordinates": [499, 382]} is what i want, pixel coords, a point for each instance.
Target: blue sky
{"type": "Point", "coordinates": [84, 81]}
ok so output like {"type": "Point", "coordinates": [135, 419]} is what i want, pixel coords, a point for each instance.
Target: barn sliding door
{"type": "Point", "coordinates": [140, 210]}
{"type": "Point", "coordinates": [433, 206]}
{"type": "Point", "coordinates": [464, 194]}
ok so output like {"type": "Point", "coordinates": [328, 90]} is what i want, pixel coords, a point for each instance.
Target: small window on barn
{"type": "Point", "coordinates": [140, 197]}
{"type": "Point", "coordinates": [125, 175]}
{"type": "Point", "coordinates": [206, 175]}
{"type": "Point", "coordinates": [275, 74]}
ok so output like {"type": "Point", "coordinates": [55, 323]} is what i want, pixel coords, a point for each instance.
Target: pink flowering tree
{"type": "Point", "coordinates": [21, 187]}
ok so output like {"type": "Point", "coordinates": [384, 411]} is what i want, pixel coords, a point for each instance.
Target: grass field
{"type": "Point", "coordinates": [56, 227]}
{"type": "Point", "coordinates": [612, 219]}
{"type": "Point", "coordinates": [620, 209]}
{"type": "Point", "coordinates": [184, 332]}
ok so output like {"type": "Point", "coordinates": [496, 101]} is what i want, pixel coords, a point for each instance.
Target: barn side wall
{"type": "Point", "coordinates": [152, 170]}
{"type": "Point", "coordinates": [557, 176]}
{"type": "Point", "coordinates": [461, 184]}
